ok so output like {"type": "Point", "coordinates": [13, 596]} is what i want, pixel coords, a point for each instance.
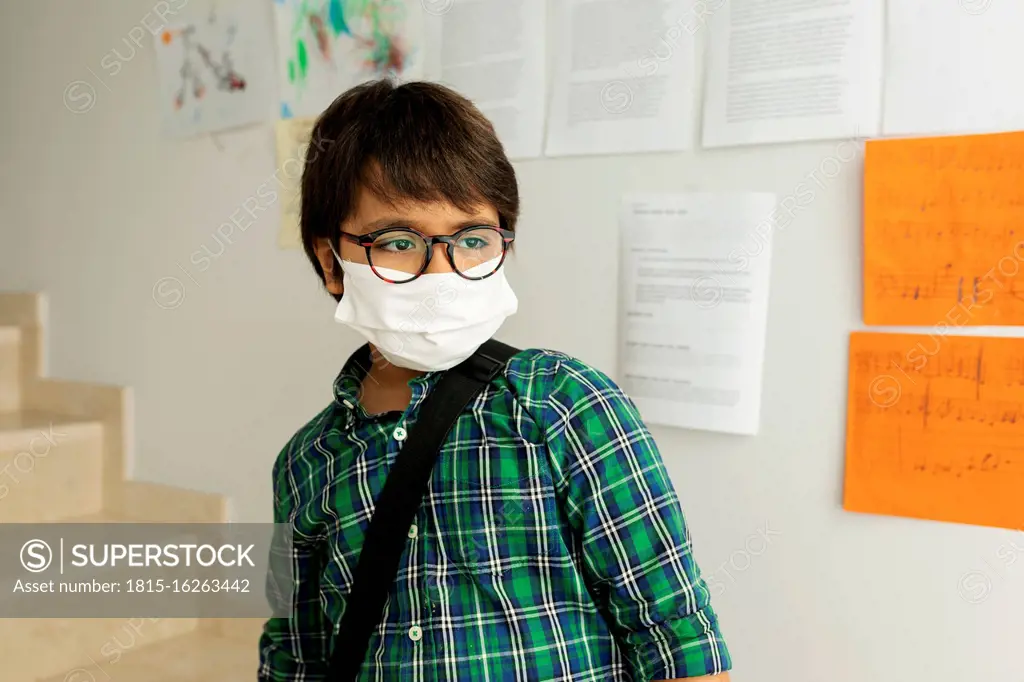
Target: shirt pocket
{"type": "Point", "coordinates": [494, 527]}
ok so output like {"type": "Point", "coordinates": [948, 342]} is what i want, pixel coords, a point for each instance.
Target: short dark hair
{"type": "Point", "coordinates": [417, 141]}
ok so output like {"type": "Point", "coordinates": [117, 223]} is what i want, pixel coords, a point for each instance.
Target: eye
{"type": "Point", "coordinates": [396, 244]}
{"type": "Point", "coordinates": [472, 242]}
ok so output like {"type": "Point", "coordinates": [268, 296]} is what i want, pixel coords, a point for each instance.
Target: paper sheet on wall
{"type": "Point", "coordinates": [326, 47]}
{"type": "Point", "coordinates": [492, 51]}
{"type": "Point", "coordinates": [793, 70]}
{"type": "Point", "coordinates": [695, 277]}
{"type": "Point", "coordinates": [292, 146]}
{"type": "Point", "coordinates": [213, 72]}
{"type": "Point", "coordinates": [953, 67]}
{"type": "Point", "coordinates": [623, 78]}
{"type": "Point", "coordinates": [934, 428]}
{"type": "Point", "coordinates": [944, 231]}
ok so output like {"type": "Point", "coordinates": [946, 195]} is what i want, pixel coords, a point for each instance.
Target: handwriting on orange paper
{"type": "Point", "coordinates": [935, 428]}
{"type": "Point", "coordinates": [944, 230]}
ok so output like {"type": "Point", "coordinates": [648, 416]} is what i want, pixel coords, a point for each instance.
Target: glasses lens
{"type": "Point", "coordinates": [473, 248]}
{"type": "Point", "coordinates": [401, 252]}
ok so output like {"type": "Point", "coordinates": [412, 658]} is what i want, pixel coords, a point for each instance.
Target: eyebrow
{"type": "Point", "coordinates": [398, 221]}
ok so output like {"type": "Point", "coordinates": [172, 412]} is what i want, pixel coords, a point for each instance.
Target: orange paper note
{"type": "Point", "coordinates": [935, 428]}
{"type": "Point", "coordinates": [944, 231]}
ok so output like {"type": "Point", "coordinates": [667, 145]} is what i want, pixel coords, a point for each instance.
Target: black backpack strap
{"type": "Point", "coordinates": [399, 501]}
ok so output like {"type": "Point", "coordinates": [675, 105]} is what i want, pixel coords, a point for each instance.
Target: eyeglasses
{"type": "Point", "coordinates": [397, 251]}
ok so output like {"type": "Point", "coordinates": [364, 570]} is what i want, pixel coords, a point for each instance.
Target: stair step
{"type": "Point", "coordinates": [196, 657]}
{"type": "Point", "coordinates": [44, 647]}
{"type": "Point", "coordinates": [51, 466]}
{"type": "Point", "coordinates": [15, 425]}
{"type": "Point", "coordinates": [98, 517]}
{"type": "Point", "coordinates": [10, 368]}
{"type": "Point", "coordinates": [21, 308]}
{"type": "Point", "coordinates": [38, 647]}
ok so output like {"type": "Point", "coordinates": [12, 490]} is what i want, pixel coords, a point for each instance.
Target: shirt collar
{"type": "Point", "coordinates": [349, 382]}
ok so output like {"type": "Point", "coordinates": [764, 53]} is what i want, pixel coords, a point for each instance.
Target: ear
{"type": "Point", "coordinates": [330, 266]}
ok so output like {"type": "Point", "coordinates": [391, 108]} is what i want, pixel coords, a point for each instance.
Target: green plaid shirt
{"type": "Point", "coordinates": [550, 545]}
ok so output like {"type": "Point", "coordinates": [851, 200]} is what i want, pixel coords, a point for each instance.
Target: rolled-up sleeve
{"type": "Point", "coordinates": [630, 527]}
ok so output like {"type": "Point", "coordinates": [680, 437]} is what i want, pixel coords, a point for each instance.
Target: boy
{"type": "Point", "coordinates": [550, 544]}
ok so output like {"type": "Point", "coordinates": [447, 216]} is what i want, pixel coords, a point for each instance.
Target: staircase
{"type": "Point", "coordinates": [64, 447]}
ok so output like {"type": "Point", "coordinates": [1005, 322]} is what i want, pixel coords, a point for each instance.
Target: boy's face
{"type": "Point", "coordinates": [372, 214]}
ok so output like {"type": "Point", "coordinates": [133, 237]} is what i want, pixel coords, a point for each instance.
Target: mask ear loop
{"type": "Point", "coordinates": [339, 261]}
{"type": "Point", "coordinates": [336, 256]}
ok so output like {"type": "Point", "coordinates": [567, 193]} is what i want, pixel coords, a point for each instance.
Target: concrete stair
{"type": "Point", "coordinates": [51, 467]}
{"type": "Point", "coordinates": [194, 657]}
{"type": "Point", "coordinates": [10, 359]}
{"type": "Point", "coordinates": [64, 448]}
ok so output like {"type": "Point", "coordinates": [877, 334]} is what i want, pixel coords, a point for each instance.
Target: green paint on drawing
{"type": "Point", "coordinates": [303, 58]}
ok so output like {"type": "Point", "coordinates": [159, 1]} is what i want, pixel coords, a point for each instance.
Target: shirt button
{"type": "Point", "coordinates": [400, 433]}
{"type": "Point", "coordinates": [413, 530]}
{"type": "Point", "coordinates": [415, 633]}
{"type": "Point", "coordinates": [347, 404]}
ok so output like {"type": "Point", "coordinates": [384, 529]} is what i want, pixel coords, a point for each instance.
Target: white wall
{"type": "Point", "coordinates": [98, 208]}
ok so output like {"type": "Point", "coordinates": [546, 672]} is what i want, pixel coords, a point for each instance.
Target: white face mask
{"type": "Point", "coordinates": [431, 323]}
